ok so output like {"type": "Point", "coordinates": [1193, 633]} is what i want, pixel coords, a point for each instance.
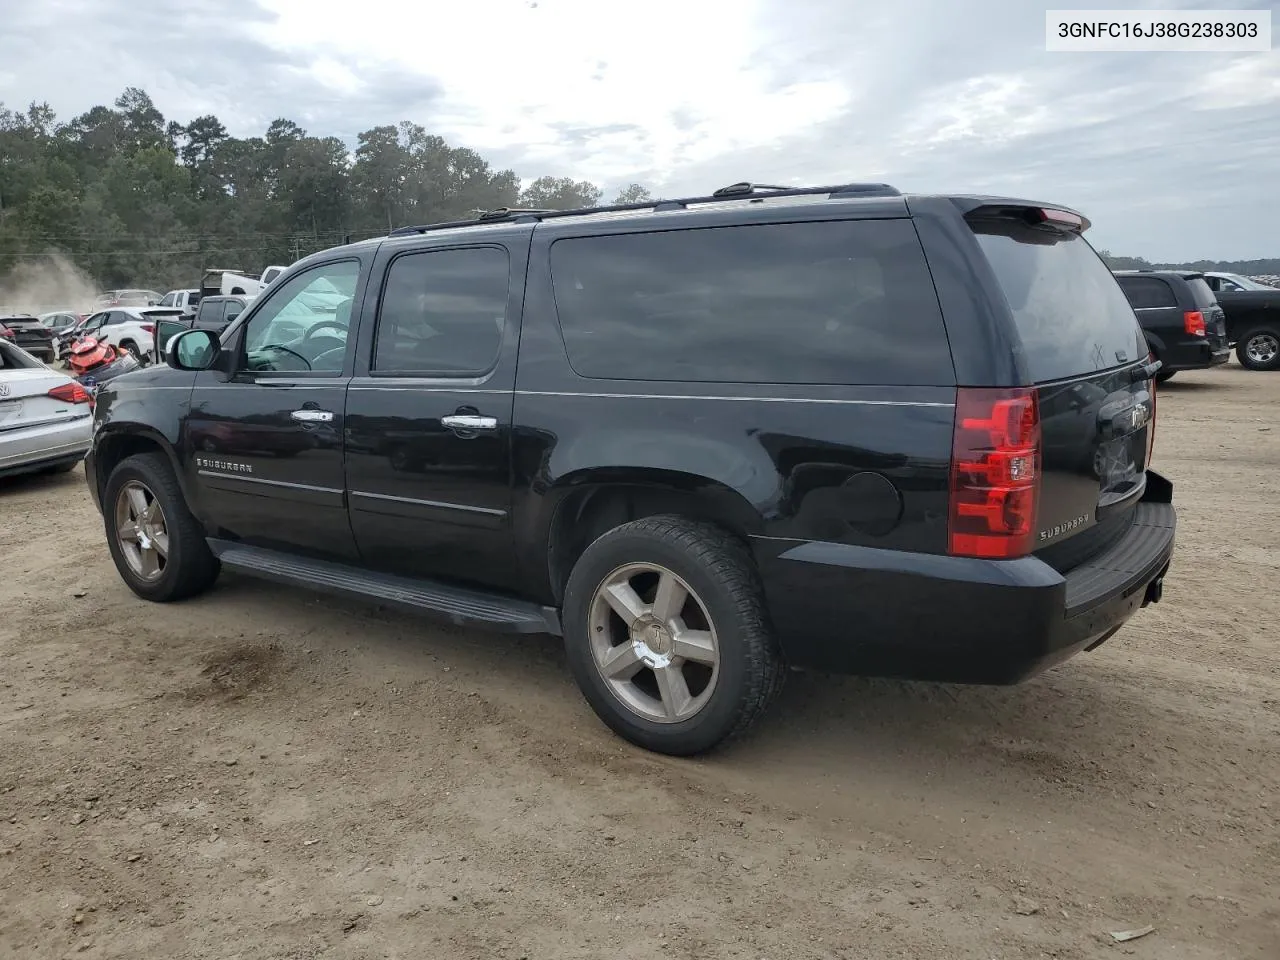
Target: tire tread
{"type": "Point", "coordinates": [729, 562]}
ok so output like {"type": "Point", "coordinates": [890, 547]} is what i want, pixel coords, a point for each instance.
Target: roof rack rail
{"type": "Point", "coordinates": [734, 191]}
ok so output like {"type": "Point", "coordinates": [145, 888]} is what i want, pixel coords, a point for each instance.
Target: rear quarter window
{"type": "Point", "coordinates": [1069, 311]}
{"type": "Point", "coordinates": [1202, 293]}
{"type": "Point", "coordinates": [834, 302]}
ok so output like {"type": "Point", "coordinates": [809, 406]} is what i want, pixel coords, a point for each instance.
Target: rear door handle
{"type": "Point", "coordinates": [312, 416]}
{"type": "Point", "coordinates": [469, 422]}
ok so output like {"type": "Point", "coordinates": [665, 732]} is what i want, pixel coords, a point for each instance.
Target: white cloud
{"type": "Point", "coordinates": [515, 71]}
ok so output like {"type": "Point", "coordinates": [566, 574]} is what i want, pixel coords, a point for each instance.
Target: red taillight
{"type": "Point", "coordinates": [1193, 321]}
{"type": "Point", "coordinates": [149, 327]}
{"type": "Point", "coordinates": [995, 473]}
{"type": "Point", "coordinates": [71, 393]}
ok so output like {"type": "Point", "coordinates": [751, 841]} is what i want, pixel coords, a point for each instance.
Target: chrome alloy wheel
{"type": "Point", "coordinates": [1262, 348]}
{"type": "Point", "coordinates": [654, 643]}
{"type": "Point", "coordinates": [141, 533]}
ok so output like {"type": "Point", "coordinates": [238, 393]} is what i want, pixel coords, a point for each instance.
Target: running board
{"type": "Point", "coordinates": [458, 605]}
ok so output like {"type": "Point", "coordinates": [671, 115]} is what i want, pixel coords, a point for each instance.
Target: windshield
{"type": "Point", "coordinates": [1070, 312]}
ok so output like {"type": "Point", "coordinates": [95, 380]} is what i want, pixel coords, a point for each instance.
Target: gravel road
{"type": "Point", "coordinates": [264, 773]}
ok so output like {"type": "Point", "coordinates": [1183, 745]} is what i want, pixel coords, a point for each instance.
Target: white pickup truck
{"type": "Point", "coordinates": [183, 300]}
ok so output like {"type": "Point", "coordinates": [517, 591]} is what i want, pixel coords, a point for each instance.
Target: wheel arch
{"type": "Point", "coordinates": [591, 501]}
{"type": "Point", "coordinates": [117, 442]}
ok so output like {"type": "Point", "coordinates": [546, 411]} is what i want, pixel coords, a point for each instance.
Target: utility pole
{"type": "Point", "coordinates": [297, 248]}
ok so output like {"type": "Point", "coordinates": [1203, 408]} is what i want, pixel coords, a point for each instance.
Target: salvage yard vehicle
{"type": "Point", "coordinates": [29, 333]}
{"type": "Point", "coordinates": [702, 440]}
{"type": "Point", "coordinates": [127, 298]}
{"type": "Point", "coordinates": [45, 421]}
{"type": "Point", "coordinates": [1253, 319]}
{"type": "Point", "coordinates": [1184, 325]}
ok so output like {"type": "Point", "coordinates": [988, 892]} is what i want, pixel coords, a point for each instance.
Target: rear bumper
{"type": "Point", "coordinates": [853, 609]}
{"type": "Point", "coordinates": [29, 449]}
{"type": "Point", "coordinates": [1195, 355]}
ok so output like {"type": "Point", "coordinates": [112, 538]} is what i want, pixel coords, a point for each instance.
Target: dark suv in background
{"type": "Point", "coordinates": [702, 440]}
{"type": "Point", "coordinates": [30, 334]}
{"type": "Point", "coordinates": [1180, 316]}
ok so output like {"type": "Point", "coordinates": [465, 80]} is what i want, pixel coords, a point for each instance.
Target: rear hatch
{"type": "Point", "coordinates": [1215, 319]}
{"type": "Point", "coordinates": [1083, 348]}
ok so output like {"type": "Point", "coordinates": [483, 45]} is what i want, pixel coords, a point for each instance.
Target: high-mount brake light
{"type": "Point", "coordinates": [1193, 323]}
{"type": "Point", "coordinates": [995, 473]}
{"type": "Point", "coordinates": [1062, 218]}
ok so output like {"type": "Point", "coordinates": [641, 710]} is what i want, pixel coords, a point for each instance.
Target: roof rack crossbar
{"type": "Point", "coordinates": [732, 192]}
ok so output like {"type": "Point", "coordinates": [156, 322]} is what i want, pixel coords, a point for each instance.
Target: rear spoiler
{"type": "Point", "coordinates": [1036, 214]}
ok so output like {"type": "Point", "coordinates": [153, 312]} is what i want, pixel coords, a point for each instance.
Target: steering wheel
{"type": "Point", "coordinates": [292, 353]}
{"type": "Point", "coordinates": [323, 324]}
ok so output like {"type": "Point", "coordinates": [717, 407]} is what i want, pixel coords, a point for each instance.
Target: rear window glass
{"type": "Point", "coordinates": [1202, 292]}
{"type": "Point", "coordinates": [835, 302]}
{"type": "Point", "coordinates": [1070, 313]}
{"type": "Point", "coordinates": [1147, 293]}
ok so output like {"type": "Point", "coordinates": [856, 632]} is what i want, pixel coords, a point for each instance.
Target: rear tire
{"type": "Point", "coordinates": [1163, 376]}
{"type": "Point", "coordinates": [688, 586]}
{"type": "Point", "coordinates": [178, 563]}
{"type": "Point", "coordinates": [131, 348]}
{"type": "Point", "coordinates": [1259, 348]}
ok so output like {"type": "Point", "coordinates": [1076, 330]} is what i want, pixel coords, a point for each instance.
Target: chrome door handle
{"type": "Point", "coordinates": [467, 421]}
{"type": "Point", "coordinates": [312, 416]}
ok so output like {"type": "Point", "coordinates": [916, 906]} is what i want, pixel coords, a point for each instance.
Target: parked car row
{"type": "Point", "coordinates": [1193, 319]}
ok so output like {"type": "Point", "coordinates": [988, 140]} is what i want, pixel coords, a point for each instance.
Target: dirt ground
{"type": "Point", "coordinates": [262, 773]}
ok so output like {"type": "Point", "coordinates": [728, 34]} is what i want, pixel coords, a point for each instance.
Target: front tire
{"type": "Point", "coordinates": [1259, 348]}
{"type": "Point", "coordinates": [158, 547]}
{"type": "Point", "coordinates": [667, 635]}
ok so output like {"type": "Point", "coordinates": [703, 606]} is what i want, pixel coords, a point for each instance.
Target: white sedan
{"type": "Point", "coordinates": [46, 417]}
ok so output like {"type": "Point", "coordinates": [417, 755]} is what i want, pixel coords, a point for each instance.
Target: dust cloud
{"type": "Point", "coordinates": [50, 283]}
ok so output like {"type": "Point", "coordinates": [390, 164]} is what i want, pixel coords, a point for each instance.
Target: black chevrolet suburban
{"type": "Point", "coordinates": [1185, 327]}
{"type": "Point", "coordinates": [703, 440]}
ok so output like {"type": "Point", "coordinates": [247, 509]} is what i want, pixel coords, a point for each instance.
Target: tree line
{"type": "Point", "coordinates": [134, 199]}
{"type": "Point", "coordinates": [1267, 267]}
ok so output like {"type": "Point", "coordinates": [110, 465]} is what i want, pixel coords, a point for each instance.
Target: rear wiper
{"type": "Point", "coordinates": [1146, 371]}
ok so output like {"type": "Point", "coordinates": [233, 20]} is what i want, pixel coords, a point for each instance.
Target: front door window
{"type": "Point", "coordinates": [303, 327]}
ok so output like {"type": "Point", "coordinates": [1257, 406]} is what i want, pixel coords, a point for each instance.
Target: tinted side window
{"type": "Point", "coordinates": [443, 312]}
{"type": "Point", "coordinates": [167, 300]}
{"type": "Point", "coordinates": [837, 302]}
{"type": "Point", "coordinates": [303, 327]}
{"type": "Point", "coordinates": [1148, 292]}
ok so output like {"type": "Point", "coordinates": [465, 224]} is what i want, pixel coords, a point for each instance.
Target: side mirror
{"type": "Point", "coordinates": [192, 350]}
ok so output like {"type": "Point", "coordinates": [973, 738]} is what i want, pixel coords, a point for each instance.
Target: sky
{"type": "Point", "coordinates": [1173, 156]}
